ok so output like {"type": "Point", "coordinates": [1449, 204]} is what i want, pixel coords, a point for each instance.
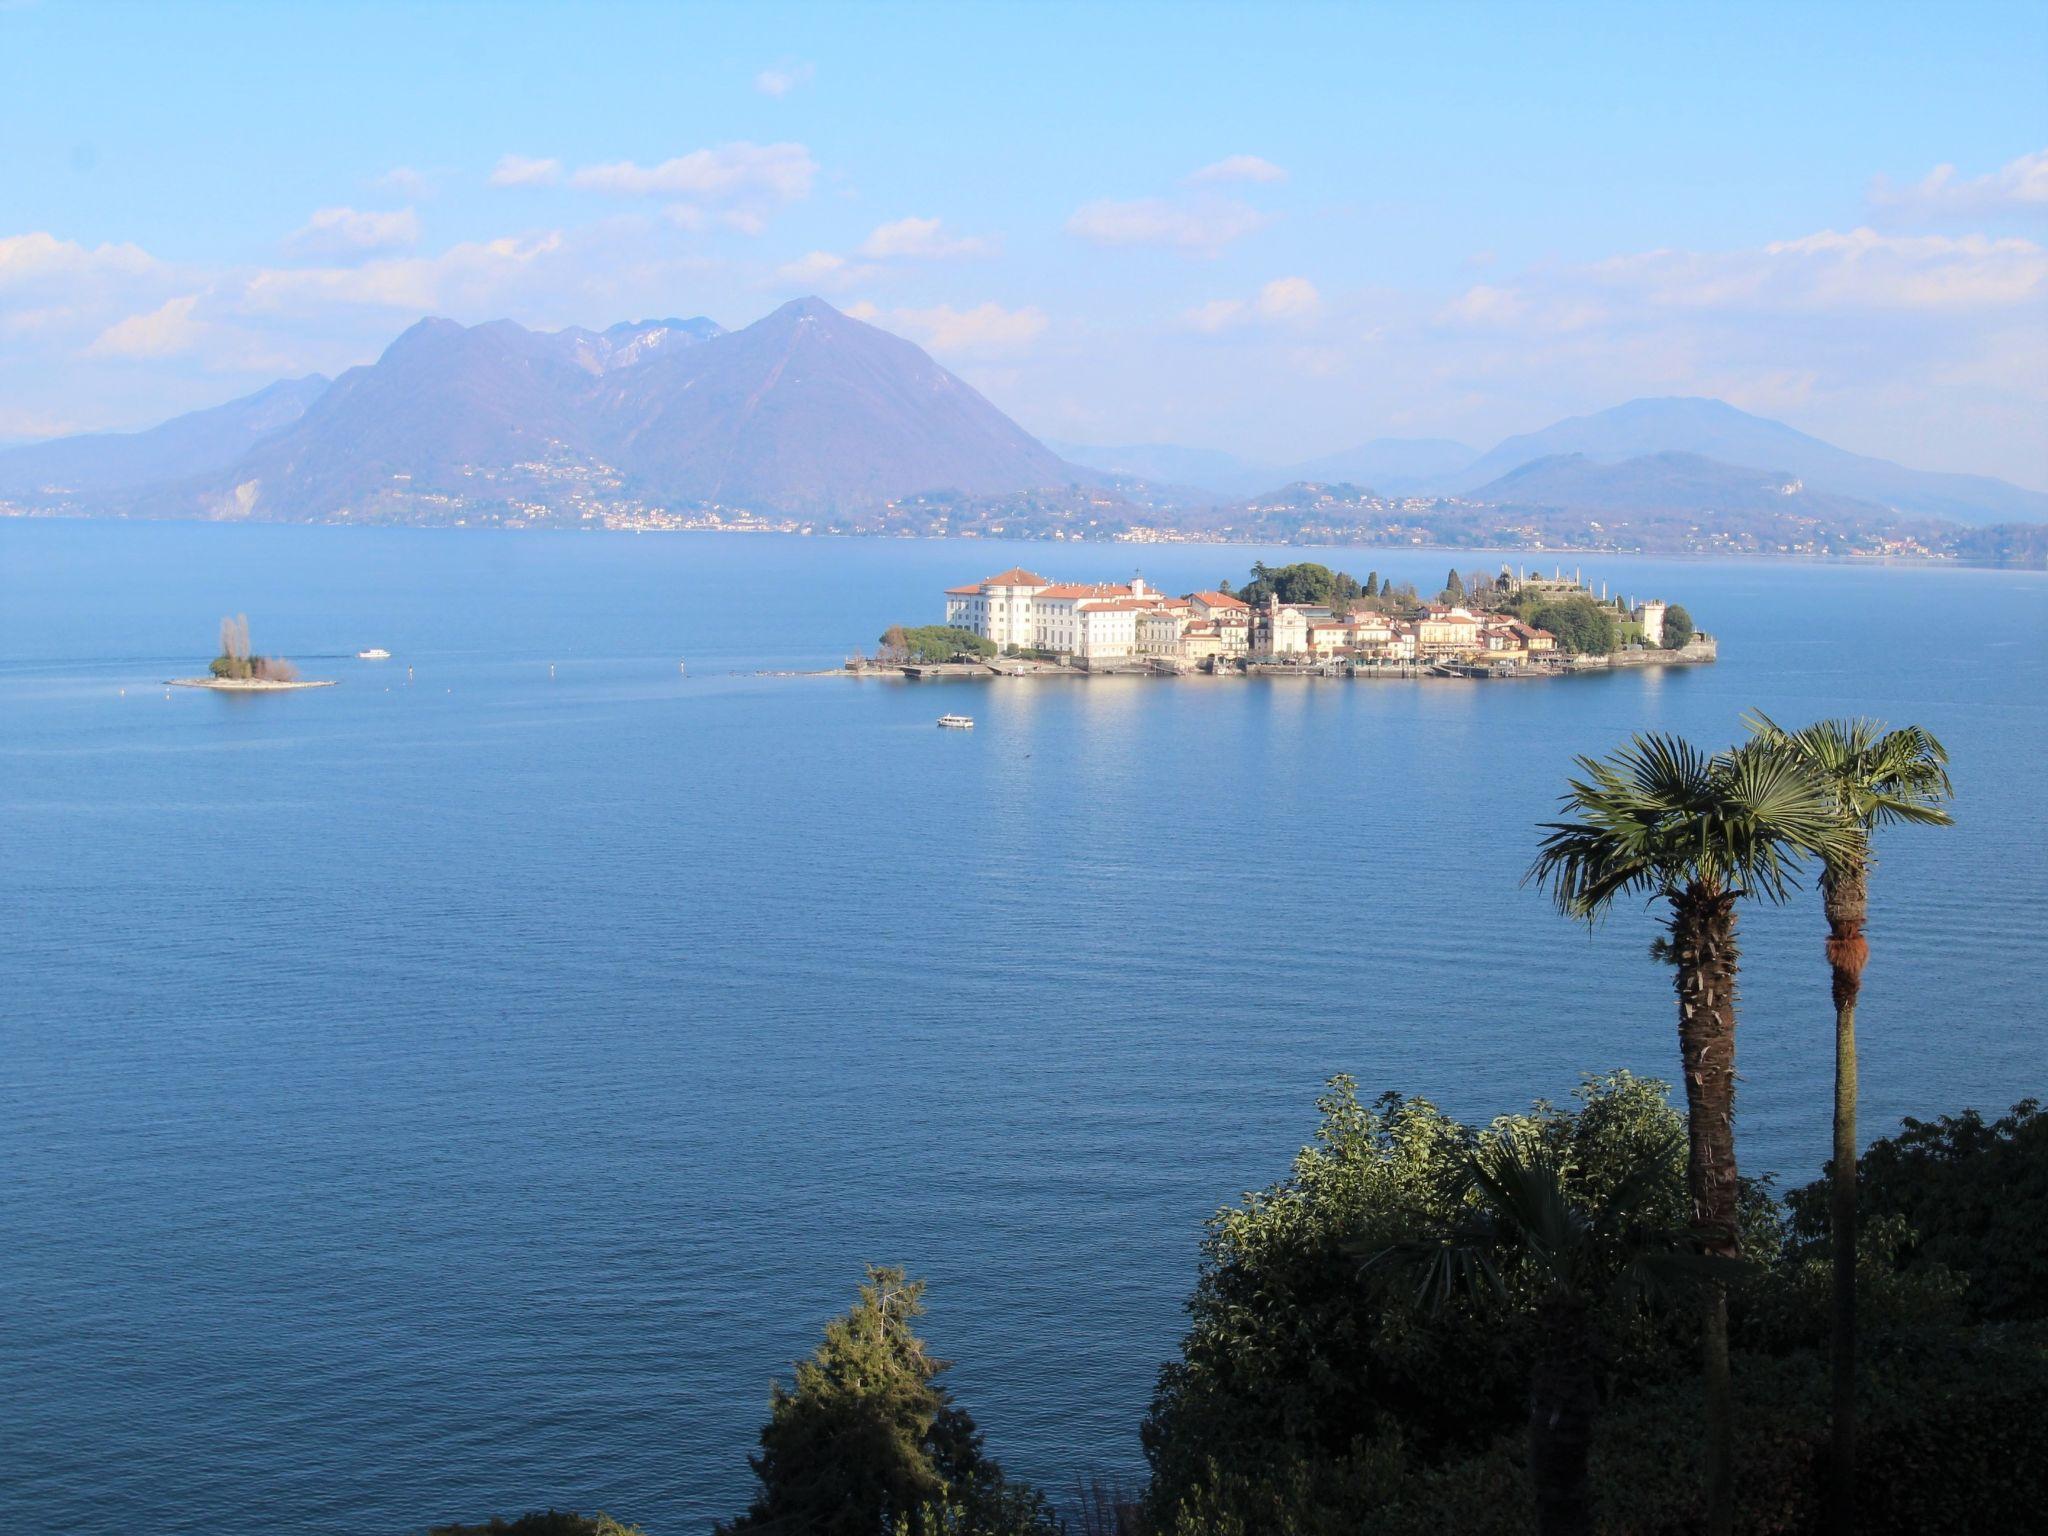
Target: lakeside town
{"type": "Point", "coordinates": [1304, 618]}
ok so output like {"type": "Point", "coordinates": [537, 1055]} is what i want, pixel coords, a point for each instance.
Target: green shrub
{"type": "Point", "coordinates": [1974, 1196]}
{"type": "Point", "coordinates": [1291, 1357]}
{"type": "Point", "coordinates": [544, 1523]}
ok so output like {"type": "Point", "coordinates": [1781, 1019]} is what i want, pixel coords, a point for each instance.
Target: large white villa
{"type": "Point", "coordinates": [1099, 621]}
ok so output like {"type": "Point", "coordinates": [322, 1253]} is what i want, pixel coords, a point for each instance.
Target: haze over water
{"type": "Point", "coordinates": [440, 1100]}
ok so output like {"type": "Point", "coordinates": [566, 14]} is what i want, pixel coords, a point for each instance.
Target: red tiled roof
{"type": "Point", "coordinates": [963, 591]}
{"type": "Point", "coordinates": [1015, 576]}
{"type": "Point", "coordinates": [1218, 600]}
{"type": "Point", "coordinates": [1074, 589]}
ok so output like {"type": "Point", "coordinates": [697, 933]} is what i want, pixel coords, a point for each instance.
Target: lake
{"type": "Point", "coordinates": [464, 1089]}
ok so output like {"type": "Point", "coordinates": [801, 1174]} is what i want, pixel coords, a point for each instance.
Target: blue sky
{"type": "Point", "coordinates": [1269, 229]}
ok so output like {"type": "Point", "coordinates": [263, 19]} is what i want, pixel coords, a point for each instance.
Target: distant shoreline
{"type": "Point", "coordinates": [1531, 551]}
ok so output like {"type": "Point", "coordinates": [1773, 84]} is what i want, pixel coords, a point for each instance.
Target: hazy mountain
{"type": "Point", "coordinates": [1717, 430]}
{"type": "Point", "coordinates": [809, 410]}
{"type": "Point", "coordinates": [1686, 483]}
{"type": "Point", "coordinates": [183, 446]}
{"type": "Point", "coordinates": [1393, 466]}
{"type": "Point", "coordinates": [803, 411]}
{"type": "Point", "coordinates": [1210, 469]}
{"type": "Point", "coordinates": [442, 400]}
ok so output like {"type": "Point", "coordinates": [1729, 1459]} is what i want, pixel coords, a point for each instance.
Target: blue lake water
{"type": "Point", "coordinates": [427, 1099]}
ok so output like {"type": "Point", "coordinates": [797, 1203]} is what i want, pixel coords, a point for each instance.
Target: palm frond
{"type": "Point", "coordinates": [1873, 776]}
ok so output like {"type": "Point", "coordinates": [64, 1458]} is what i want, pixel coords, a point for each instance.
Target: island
{"type": "Point", "coordinates": [1302, 620]}
{"type": "Point", "coordinates": [237, 669]}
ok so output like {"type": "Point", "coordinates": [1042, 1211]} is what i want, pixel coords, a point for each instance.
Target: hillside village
{"type": "Point", "coordinates": [1302, 616]}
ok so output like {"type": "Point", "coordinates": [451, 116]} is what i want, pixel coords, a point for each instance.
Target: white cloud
{"type": "Point", "coordinates": [405, 181]}
{"type": "Point", "coordinates": [461, 277]}
{"type": "Point", "coordinates": [818, 266]}
{"type": "Point", "coordinates": [523, 171]}
{"type": "Point", "coordinates": [348, 231]}
{"type": "Point", "coordinates": [824, 270]}
{"type": "Point", "coordinates": [985, 329]}
{"type": "Point", "coordinates": [2018, 186]}
{"type": "Point", "coordinates": [1835, 269]}
{"type": "Point", "coordinates": [1289, 298]}
{"type": "Point", "coordinates": [1284, 301]}
{"type": "Point", "coordinates": [1239, 168]}
{"type": "Point", "coordinates": [920, 238]}
{"type": "Point", "coordinates": [782, 79]}
{"type": "Point", "coordinates": [163, 332]}
{"type": "Point", "coordinates": [731, 173]}
{"type": "Point", "coordinates": [1857, 271]}
{"type": "Point", "coordinates": [1204, 228]}
{"type": "Point", "coordinates": [38, 254]}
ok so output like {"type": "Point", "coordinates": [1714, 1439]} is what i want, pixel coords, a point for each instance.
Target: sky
{"type": "Point", "coordinates": [1276, 230]}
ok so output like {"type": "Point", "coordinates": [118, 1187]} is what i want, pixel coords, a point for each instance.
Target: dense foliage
{"type": "Point", "coordinates": [1678, 628]}
{"type": "Point", "coordinates": [1583, 627]}
{"type": "Point", "coordinates": [1972, 1197]}
{"type": "Point", "coordinates": [1305, 582]}
{"type": "Point", "coordinates": [934, 643]}
{"type": "Point", "coordinates": [544, 1523]}
{"type": "Point", "coordinates": [866, 1443]}
{"type": "Point", "coordinates": [1292, 1356]}
{"type": "Point", "coordinates": [1309, 1399]}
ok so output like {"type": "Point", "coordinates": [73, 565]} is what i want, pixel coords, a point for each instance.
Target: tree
{"type": "Point", "coordinates": [866, 1443]}
{"type": "Point", "coordinates": [1699, 832]}
{"type": "Point", "coordinates": [1873, 778]}
{"type": "Point", "coordinates": [1678, 628]}
{"type": "Point", "coordinates": [934, 642]}
{"type": "Point", "coordinates": [1523, 1224]}
{"type": "Point", "coordinates": [552, 1523]}
{"type": "Point", "coordinates": [1372, 583]}
{"type": "Point", "coordinates": [1582, 626]}
{"type": "Point", "coordinates": [1289, 1362]}
{"type": "Point", "coordinates": [1454, 587]}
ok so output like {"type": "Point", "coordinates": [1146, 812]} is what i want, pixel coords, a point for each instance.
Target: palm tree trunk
{"type": "Point", "coordinates": [1704, 948]}
{"type": "Point", "coordinates": [1563, 1397]}
{"type": "Point", "coordinates": [1845, 895]}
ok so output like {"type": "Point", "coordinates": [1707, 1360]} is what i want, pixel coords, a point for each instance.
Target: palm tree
{"type": "Point", "coordinates": [1875, 778]}
{"type": "Point", "coordinates": [1526, 1233]}
{"type": "Point", "coordinates": [1700, 832]}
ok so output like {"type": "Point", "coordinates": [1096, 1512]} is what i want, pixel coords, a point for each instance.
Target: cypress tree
{"type": "Point", "coordinates": [1454, 589]}
{"type": "Point", "coordinates": [1372, 584]}
{"type": "Point", "coordinates": [866, 1443]}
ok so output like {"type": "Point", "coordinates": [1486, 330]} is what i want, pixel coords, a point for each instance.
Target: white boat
{"type": "Point", "coordinates": [374, 653]}
{"type": "Point", "coordinates": [957, 722]}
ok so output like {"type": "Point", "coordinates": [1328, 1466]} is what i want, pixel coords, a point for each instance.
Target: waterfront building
{"type": "Point", "coordinates": [999, 608]}
{"type": "Point", "coordinates": [1447, 632]}
{"type": "Point", "coordinates": [1651, 616]}
{"type": "Point", "coordinates": [1097, 620]}
{"type": "Point", "coordinates": [1219, 605]}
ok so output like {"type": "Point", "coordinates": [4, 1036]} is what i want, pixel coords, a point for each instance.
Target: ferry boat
{"type": "Point", "coordinates": [374, 653]}
{"type": "Point", "coordinates": [957, 722]}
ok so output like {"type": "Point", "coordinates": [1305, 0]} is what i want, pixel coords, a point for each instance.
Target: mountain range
{"type": "Point", "coordinates": [811, 414]}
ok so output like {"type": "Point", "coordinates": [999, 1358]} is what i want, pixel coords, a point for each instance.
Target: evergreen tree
{"type": "Point", "coordinates": [1372, 583]}
{"type": "Point", "coordinates": [866, 1443]}
{"type": "Point", "coordinates": [1454, 588]}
